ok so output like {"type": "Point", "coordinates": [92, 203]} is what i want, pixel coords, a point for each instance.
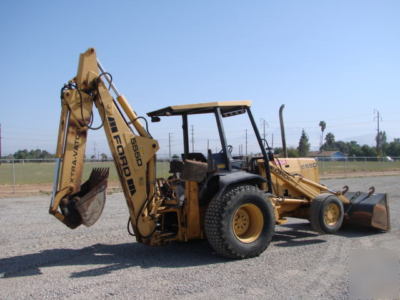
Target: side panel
{"type": "Point", "coordinates": [192, 210]}
{"type": "Point", "coordinates": [306, 167]}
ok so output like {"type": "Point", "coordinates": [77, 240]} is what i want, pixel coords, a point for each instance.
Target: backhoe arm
{"type": "Point", "coordinates": [133, 151]}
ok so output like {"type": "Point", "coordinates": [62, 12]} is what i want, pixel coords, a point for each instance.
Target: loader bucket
{"type": "Point", "coordinates": [367, 209]}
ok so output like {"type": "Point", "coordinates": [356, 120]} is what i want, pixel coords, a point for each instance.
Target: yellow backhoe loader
{"type": "Point", "coordinates": [234, 203]}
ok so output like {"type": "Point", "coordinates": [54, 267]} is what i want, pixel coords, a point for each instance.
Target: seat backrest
{"type": "Point", "coordinates": [197, 156]}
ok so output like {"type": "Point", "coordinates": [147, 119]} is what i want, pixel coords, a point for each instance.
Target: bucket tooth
{"type": "Point", "coordinates": [90, 200]}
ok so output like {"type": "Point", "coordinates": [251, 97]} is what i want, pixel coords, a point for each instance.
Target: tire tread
{"type": "Point", "coordinates": [216, 218]}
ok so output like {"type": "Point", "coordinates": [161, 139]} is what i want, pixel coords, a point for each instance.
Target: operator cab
{"type": "Point", "coordinates": [223, 160]}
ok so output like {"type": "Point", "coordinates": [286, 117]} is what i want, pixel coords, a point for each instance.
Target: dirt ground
{"type": "Point", "coordinates": [41, 258]}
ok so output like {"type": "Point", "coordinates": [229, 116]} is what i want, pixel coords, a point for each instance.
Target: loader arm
{"type": "Point", "coordinates": [362, 209]}
{"type": "Point", "coordinates": [133, 151]}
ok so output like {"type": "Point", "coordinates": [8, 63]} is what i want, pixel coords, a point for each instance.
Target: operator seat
{"type": "Point", "coordinates": [197, 156]}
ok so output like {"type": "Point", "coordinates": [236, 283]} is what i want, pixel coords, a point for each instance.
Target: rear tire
{"type": "Point", "coordinates": [326, 213]}
{"type": "Point", "coordinates": [240, 223]}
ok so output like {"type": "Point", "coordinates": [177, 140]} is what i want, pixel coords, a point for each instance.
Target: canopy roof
{"type": "Point", "coordinates": [227, 108]}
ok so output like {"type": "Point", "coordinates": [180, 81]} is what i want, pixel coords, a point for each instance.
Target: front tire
{"type": "Point", "coordinates": [326, 213]}
{"type": "Point", "coordinates": [240, 223]}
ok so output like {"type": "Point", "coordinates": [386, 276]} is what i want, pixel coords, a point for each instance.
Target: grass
{"type": "Point", "coordinates": [42, 173]}
{"type": "Point", "coordinates": [337, 167]}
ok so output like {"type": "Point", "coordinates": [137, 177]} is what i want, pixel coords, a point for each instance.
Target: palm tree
{"type": "Point", "coordinates": [322, 124]}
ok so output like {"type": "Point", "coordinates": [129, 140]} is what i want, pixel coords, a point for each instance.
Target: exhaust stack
{"type": "Point", "coordinates": [283, 130]}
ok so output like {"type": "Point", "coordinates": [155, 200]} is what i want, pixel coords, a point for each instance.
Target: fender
{"type": "Point", "coordinates": [220, 182]}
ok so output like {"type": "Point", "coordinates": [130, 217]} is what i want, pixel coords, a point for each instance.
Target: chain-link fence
{"type": "Point", "coordinates": [357, 165]}
{"type": "Point", "coordinates": [26, 175]}
{"type": "Point", "coordinates": [22, 176]}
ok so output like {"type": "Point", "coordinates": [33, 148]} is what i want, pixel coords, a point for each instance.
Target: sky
{"type": "Point", "coordinates": [336, 61]}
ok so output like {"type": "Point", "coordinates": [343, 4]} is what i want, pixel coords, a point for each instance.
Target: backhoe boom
{"type": "Point", "coordinates": [133, 151]}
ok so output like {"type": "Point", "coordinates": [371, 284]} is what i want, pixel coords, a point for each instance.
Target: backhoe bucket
{"type": "Point", "coordinates": [368, 209]}
{"type": "Point", "coordinates": [90, 201]}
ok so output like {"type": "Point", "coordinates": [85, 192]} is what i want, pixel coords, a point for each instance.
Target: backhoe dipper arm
{"type": "Point", "coordinates": [133, 152]}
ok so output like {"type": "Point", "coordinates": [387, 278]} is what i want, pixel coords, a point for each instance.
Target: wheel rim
{"type": "Point", "coordinates": [332, 214]}
{"type": "Point", "coordinates": [248, 222]}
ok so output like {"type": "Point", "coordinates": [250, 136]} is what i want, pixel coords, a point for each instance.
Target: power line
{"type": "Point", "coordinates": [246, 142]}
{"type": "Point", "coordinates": [272, 142]}
{"type": "Point", "coordinates": [378, 118]}
{"type": "Point", "coordinates": [169, 145]}
{"type": "Point", "coordinates": [94, 150]}
{"type": "Point", "coordinates": [263, 122]}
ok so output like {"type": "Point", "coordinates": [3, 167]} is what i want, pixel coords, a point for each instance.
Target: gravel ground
{"type": "Point", "coordinates": [40, 258]}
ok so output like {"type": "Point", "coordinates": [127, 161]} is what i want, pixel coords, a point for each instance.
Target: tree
{"type": "Point", "coordinates": [381, 143]}
{"type": "Point", "coordinates": [354, 149]}
{"type": "Point", "coordinates": [322, 124]}
{"type": "Point", "coordinates": [32, 154]}
{"type": "Point", "coordinates": [103, 156]}
{"type": "Point", "coordinates": [21, 154]}
{"type": "Point", "coordinates": [330, 143]}
{"type": "Point", "coordinates": [292, 152]}
{"type": "Point", "coordinates": [393, 148]}
{"type": "Point", "coordinates": [278, 150]}
{"type": "Point", "coordinates": [368, 151]}
{"type": "Point", "coordinates": [341, 146]}
{"type": "Point", "coordinates": [304, 145]}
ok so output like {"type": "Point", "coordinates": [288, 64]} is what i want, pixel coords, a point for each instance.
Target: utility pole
{"type": "Point", "coordinates": [192, 138]}
{"type": "Point", "coordinates": [169, 145]}
{"type": "Point", "coordinates": [94, 150]}
{"type": "Point", "coordinates": [263, 126]}
{"type": "Point", "coordinates": [246, 142]}
{"type": "Point", "coordinates": [208, 144]}
{"type": "Point", "coordinates": [272, 138]}
{"type": "Point", "coordinates": [378, 118]}
{"type": "Point", "coordinates": [0, 140]}
{"type": "Point", "coordinates": [264, 129]}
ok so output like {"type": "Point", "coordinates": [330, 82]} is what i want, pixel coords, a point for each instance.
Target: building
{"type": "Point", "coordinates": [327, 155]}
